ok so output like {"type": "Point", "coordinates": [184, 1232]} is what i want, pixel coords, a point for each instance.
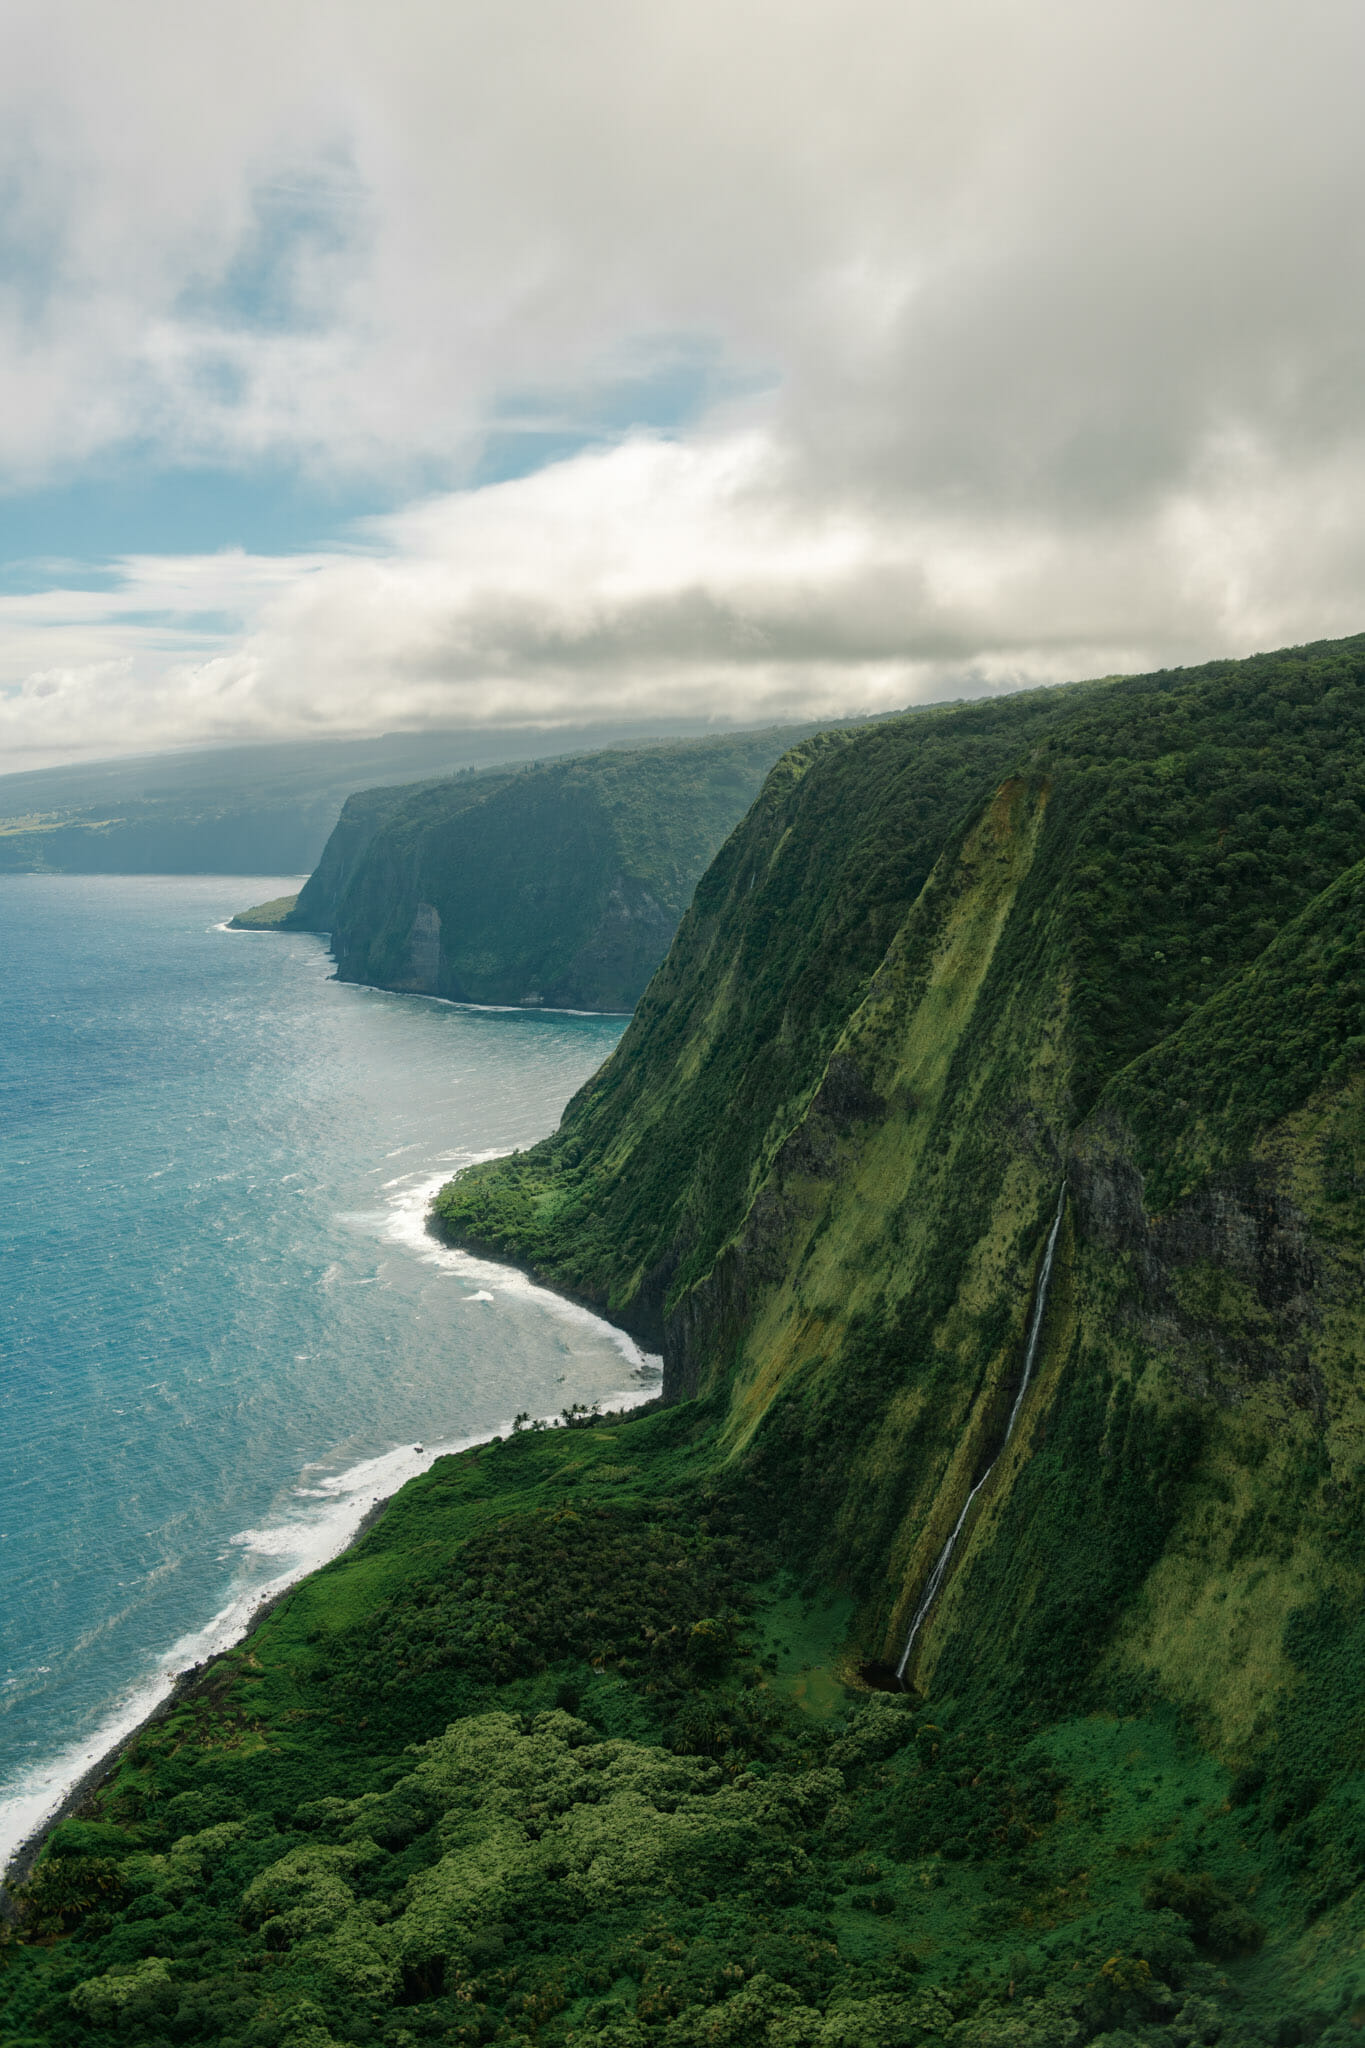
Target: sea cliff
{"type": "Point", "coordinates": [559, 884]}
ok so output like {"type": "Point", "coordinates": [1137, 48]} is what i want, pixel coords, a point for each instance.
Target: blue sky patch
{"type": "Point", "coordinates": [134, 504]}
{"type": "Point", "coordinates": [306, 232]}
{"type": "Point", "coordinates": [143, 509]}
{"type": "Point", "coordinates": [671, 383]}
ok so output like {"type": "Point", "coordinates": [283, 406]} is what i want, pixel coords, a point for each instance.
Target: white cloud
{"type": "Point", "coordinates": [1061, 312]}
{"type": "Point", "coordinates": [663, 578]}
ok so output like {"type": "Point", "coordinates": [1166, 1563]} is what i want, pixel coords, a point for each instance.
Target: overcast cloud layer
{"type": "Point", "coordinates": [891, 350]}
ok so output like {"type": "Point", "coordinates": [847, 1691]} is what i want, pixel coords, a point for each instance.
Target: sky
{"type": "Point", "coordinates": [519, 361]}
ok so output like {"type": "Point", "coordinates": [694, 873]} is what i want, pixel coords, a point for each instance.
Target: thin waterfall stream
{"type": "Point", "coordinates": [940, 1571]}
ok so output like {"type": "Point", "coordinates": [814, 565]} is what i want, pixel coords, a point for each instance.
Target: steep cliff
{"type": "Point", "coordinates": [559, 884]}
{"type": "Point", "coordinates": [1112, 938]}
{"type": "Point", "coordinates": [363, 816]}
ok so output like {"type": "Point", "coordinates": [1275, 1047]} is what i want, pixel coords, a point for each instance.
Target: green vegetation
{"type": "Point", "coordinates": [249, 810]}
{"type": "Point", "coordinates": [1111, 933]}
{"type": "Point", "coordinates": [558, 884]}
{"type": "Point", "coordinates": [1190, 815]}
{"type": "Point", "coordinates": [264, 917]}
{"type": "Point", "coordinates": [1268, 1038]}
{"type": "Point", "coordinates": [532, 1764]}
{"type": "Point", "coordinates": [591, 1741]}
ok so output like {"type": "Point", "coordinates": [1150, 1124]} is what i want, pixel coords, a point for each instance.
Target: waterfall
{"type": "Point", "coordinates": [1035, 1328]}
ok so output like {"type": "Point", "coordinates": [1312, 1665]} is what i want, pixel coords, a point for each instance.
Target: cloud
{"type": "Point", "coordinates": [1050, 322]}
{"type": "Point", "coordinates": [665, 578]}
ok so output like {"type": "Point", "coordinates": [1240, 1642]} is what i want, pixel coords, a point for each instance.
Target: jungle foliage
{"type": "Point", "coordinates": [1110, 935]}
{"type": "Point", "coordinates": [455, 1789]}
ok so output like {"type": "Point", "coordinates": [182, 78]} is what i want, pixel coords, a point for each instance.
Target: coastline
{"type": "Point", "coordinates": [488, 1009]}
{"type": "Point", "coordinates": [632, 1344]}
{"type": "Point", "coordinates": [322, 1508]}
{"type": "Point", "coordinates": [492, 1255]}
{"type": "Point", "coordinates": [16, 1865]}
{"type": "Point", "coordinates": [22, 1858]}
{"type": "Point", "coordinates": [384, 988]}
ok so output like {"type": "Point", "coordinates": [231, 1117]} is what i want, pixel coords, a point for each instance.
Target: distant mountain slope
{"type": "Point", "coordinates": [559, 884]}
{"type": "Point", "coordinates": [249, 810]}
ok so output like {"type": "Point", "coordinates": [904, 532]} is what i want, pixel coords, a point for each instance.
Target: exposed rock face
{"type": "Point", "coordinates": [1229, 1286]}
{"type": "Point", "coordinates": [424, 950]}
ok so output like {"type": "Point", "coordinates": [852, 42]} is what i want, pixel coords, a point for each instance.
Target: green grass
{"type": "Point", "coordinates": [573, 1747]}
{"type": "Point", "coordinates": [1111, 932]}
{"type": "Point", "coordinates": [1192, 815]}
{"type": "Point", "coordinates": [265, 917]}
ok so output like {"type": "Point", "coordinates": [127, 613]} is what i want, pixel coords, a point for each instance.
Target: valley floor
{"type": "Point", "coordinates": [560, 1753]}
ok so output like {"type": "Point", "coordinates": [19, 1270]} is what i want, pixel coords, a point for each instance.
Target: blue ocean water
{"type": "Point", "coordinates": [223, 1328]}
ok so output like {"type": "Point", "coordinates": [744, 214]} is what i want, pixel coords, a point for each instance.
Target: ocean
{"type": "Point", "coordinates": [224, 1330]}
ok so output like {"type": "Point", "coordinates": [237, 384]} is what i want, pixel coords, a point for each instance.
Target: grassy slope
{"type": "Point", "coordinates": [561, 883]}
{"type": "Point", "coordinates": [265, 917]}
{"type": "Point", "coordinates": [659, 1157]}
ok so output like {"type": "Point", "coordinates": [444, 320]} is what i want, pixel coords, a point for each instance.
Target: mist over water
{"type": "Point", "coordinates": [223, 1328]}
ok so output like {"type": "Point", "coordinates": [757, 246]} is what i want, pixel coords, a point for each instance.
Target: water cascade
{"type": "Point", "coordinates": [940, 1571]}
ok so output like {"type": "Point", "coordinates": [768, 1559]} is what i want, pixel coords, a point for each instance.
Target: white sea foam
{"type": "Point", "coordinates": [250, 931]}
{"type": "Point", "coordinates": [300, 1543]}
{"type": "Point", "coordinates": [298, 1546]}
{"type": "Point", "coordinates": [491, 1009]}
{"type": "Point", "coordinates": [407, 1224]}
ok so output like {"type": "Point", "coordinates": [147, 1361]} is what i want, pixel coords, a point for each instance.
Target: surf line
{"type": "Point", "coordinates": [1035, 1329]}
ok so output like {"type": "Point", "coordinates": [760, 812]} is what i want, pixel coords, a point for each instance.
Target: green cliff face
{"type": "Point", "coordinates": [559, 884]}
{"type": "Point", "coordinates": [1111, 936]}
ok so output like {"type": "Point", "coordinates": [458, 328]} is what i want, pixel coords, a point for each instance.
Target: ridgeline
{"type": "Point", "coordinates": [595, 1740]}
{"type": "Point", "coordinates": [264, 809]}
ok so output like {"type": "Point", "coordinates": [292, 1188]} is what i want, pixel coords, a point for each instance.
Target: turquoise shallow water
{"type": "Point", "coordinates": [222, 1327]}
